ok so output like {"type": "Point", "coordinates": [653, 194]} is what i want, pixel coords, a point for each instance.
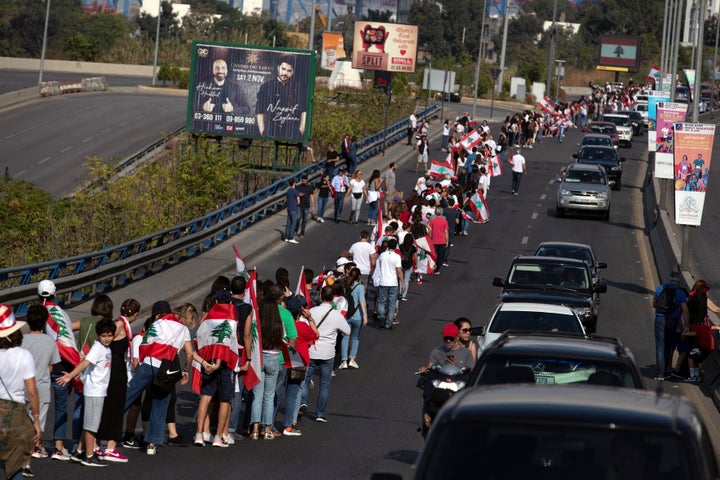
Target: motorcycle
{"type": "Point", "coordinates": [438, 384]}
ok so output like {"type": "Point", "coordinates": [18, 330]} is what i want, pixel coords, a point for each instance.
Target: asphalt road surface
{"type": "Point", "coordinates": [374, 411]}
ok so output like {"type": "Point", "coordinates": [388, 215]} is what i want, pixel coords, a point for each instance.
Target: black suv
{"type": "Point", "coordinates": [556, 280]}
{"type": "Point", "coordinates": [606, 157]}
{"type": "Point", "coordinates": [556, 432]}
{"type": "Point", "coordinates": [556, 358]}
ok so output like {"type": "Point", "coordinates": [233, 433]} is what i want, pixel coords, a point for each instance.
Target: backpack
{"type": "Point", "coordinates": [406, 260]}
{"type": "Point", "coordinates": [352, 308]}
{"type": "Point", "coordinates": [421, 147]}
{"type": "Point", "coordinates": [665, 302]}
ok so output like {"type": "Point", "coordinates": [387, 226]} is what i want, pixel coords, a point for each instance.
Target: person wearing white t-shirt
{"type": "Point", "coordinates": [363, 253]}
{"type": "Point", "coordinates": [389, 281]}
{"type": "Point", "coordinates": [518, 168]}
{"type": "Point", "coordinates": [95, 384]}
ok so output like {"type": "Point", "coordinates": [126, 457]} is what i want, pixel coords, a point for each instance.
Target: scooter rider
{"type": "Point", "coordinates": [450, 352]}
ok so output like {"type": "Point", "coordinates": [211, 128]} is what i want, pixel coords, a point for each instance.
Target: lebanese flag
{"type": "Point", "coordinates": [476, 206]}
{"type": "Point", "coordinates": [333, 193]}
{"type": "Point", "coordinates": [302, 286]}
{"type": "Point", "coordinates": [469, 140]}
{"type": "Point", "coordinates": [217, 334]}
{"type": "Point", "coordinates": [161, 337]}
{"type": "Point", "coordinates": [240, 267]}
{"type": "Point", "coordinates": [59, 327]}
{"type": "Point", "coordinates": [556, 125]}
{"type": "Point", "coordinates": [379, 230]}
{"type": "Point", "coordinates": [252, 376]}
{"type": "Point", "coordinates": [429, 255]}
{"type": "Point", "coordinates": [494, 163]}
{"type": "Point", "coordinates": [654, 73]}
{"type": "Point", "coordinates": [439, 169]}
{"type": "Point", "coordinates": [319, 280]}
{"type": "Point", "coordinates": [547, 105]}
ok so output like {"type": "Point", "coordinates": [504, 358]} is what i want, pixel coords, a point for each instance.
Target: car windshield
{"type": "Point", "coordinates": [532, 448]}
{"type": "Point", "coordinates": [535, 322]}
{"type": "Point", "coordinates": [597, 141]}
{"type": "Point", "coordinates": [565, 251]}
{"type": "Point", "coordinates": [617, 120]}
{"type": "Point", "coordinates": [602, 154]}
{"type": "Point", "coordinates": [584, 176]}
{"type": "Point", "coordinates": [603, 129]}
{"type": "Point", "coordinates": [533, 275]}
{"type": "Point", "coordinates": [548, 369]}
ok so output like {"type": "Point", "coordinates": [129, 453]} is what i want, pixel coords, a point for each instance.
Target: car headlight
{"type": "Point", "coordinates": [565, 193]}
{"type": "Point", "coordinates": [583, 312]}
{"type": "Point", "coordinates": [602, 195]}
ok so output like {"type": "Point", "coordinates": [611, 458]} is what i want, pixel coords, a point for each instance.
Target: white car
{"type": "Point", "coordinates": [533, 317]}
{"type": "Point", "coordinates": [623, 125]}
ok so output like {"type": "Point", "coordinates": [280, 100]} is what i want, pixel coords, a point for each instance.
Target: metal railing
{"type": "Point", "coordinates": [83, 276]}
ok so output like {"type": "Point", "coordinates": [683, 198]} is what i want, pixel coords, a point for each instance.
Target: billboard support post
{"type": "Point", "coordinates": [387, 113]}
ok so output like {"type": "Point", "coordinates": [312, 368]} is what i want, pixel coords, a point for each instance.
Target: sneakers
{"type": "Point", "coordinates": [659, 378]}
{"type": "Point", "coordinates": [97, 452]}
{"type": "Point", "coordinates": [199, 440]}
{"type": "Point", "coordinates": [177, 441]}
{"type": "Point", "coordinates": [353, 364]}
{"type": "Point", "coordinates": [321, 420]}
{"type": "Point", "coordinates": [62, 455]}
{"type": "Point", "coordinates": [675, 374]}
{"type": "Point", "coordinates": [207, 437]}
{"type": "Point", "coordinates": [275, 432]}
{"type": "Point", "coordinates": [403, 299]}
{"type": "Point", "coordinates": [228, 439]}
{"type": "Point", "coordinates": [114, 456]}
{"type": "Point", "coordinates": [77, 456]}
{"type": "Point", "coordinates": [218, 442]}
{"type": "Point", "coordinates": [151, 449]}
{"type": "Point", "coordinates": [396, 321]}
{"type": "Point", "coordinates": [292, 432]}
{"type": "Point", "coordinates": [292, 240]}
{"type": "Point", "coordinates": [268, 436]}
{"type": "Point", "coordinates": [302, 410]}
{"type": "Point", "coordinates": [693, 378]}
{"type": "Point", "coordinates": [39, 453]}
{"type": "Point", "coordinates": [131, 443]}
{"type": "Point", "coordinates": [343, 365]}
{"type": "Point", "coordinates": [321, 220]}
{"type": "Point", "coordinates": [26, 472]}
{"type": "Point", "coordinates": [93, 462]}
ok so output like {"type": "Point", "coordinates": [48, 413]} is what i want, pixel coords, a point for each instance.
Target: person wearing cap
{"type": "Point", "coordinates": [450, 352]}
{"type": "Point", "coordinates": [517, 162]}
{"type": "Point", "coordinates": [163, 339]}
{"type": "Point", "coordinates": [17, 371]}
{"type": "Point", "coordinates": [59, 326]}
{"type": "Point", "coordinates": [340, 184]}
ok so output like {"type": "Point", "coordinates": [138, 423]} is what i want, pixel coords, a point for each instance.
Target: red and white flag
{"type": "Point", "coordinates": [161, 337]}
{"type": "Point", "coordinates": [302, 286]}
{"type": "Point", "coordinates": [495, 167]}
{"type": "Point", "coordinates": [547, 105]}
{"type": "Point", "coordinates": [476, 207]}
{"type": "Point", "coordinates": [216, 339]}
{"type": "Point", "coordinates": [252, 376]}
{"type": "Point", "coordinates": [59, 327]}
{"type": "Point", "coordinates": [439, 169]}
{"type": "Point", "coordinates": [429, 259]}
{"type": "Point", "coordinates": [470, 140]}
{"type": "Point", "coordinates": [240, 267]}
{"type": "Point", "coordinates": [654, 73]}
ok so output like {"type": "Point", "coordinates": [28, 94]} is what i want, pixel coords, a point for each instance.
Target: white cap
{"type": "Point", "coordinates": [341, 261]}
{"type": "Point", "coordinates": [46, 288]}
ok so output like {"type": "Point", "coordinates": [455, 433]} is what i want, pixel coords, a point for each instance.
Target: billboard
{"type": "Point", "coordinates": [667, 115]}
{"type": "Point", "coordinates": [251, 92]}
{"type": "Point", "coordinates": [619, 53]}
{"type": "Point", "coordinates": [391, 47]}
{"type": "Point", "coordinates": [333, 49]}
{"type": "Point", "coordinates": [693, 149]}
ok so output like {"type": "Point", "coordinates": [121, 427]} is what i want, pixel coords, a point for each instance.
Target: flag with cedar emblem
{"type": "Point", "coordinates": [302, 286]}
{"type": "Point", "coordinates": [438, 169]}
{"type": "Point", "coordinates": [547, 105]}
{"type": "Point", "coordinates": [469, 141]}
{"type": "Point", "coordinates": [240, 267]}
{"type": "Point", "coordinates": [216, 339]}
{"type": "Point", "coordinates": [476, 208]}
{"type": "Point", "coordinates": [427, 260]}
{"type": "Point", "coordinates": [59, 327]}
{"type": "Point", "coordinates": [252, 376]}
{"type": "Point", "coordinates": [494, 164]}
{"type": "Point", "coordinates": [161, 338]}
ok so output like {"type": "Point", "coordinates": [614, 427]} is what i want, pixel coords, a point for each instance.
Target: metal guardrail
{"type": "Point", "coordinates": [83, 276]}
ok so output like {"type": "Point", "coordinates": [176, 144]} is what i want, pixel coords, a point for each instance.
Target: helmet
{"type": "Point", "coordinates": [46, 288]}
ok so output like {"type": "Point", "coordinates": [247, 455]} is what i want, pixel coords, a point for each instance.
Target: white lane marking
{"type": "Point", "coordinates": [534, 216]}
{"type": "Point", "coordinates": [21, 173]}
{"type": "Point", "coordinates": [524, 240]}
{"type": "Point", "coordinates": [106, 130]}
{"type": "Point", "coordinates": [543, 196]}
{"type": "Point", "coordinates": [44, 160]}
{"type": "Point", "coordinates": [66, 149]}
{"type": "Point", "coordinates": [87, 139]}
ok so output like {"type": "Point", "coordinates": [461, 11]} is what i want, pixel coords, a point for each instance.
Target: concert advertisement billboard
{"type": "Point", "coordinates": [251, 92]}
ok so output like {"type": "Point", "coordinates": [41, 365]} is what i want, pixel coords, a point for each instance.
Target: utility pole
{"type": "Point", "coordinates": [550, 50]}
{"type": "Point", "coordinates": [504, 45]}
{"type": "Point", "coordinates": [479, 60]}
{"type": "Point", "coordinates": [42, 56]}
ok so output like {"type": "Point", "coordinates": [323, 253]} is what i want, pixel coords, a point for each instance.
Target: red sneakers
{"type": "Point", "coordinates": [114, 456]}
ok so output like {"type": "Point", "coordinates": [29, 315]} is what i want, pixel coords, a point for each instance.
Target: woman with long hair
{"type": "Point", "coordinates": [356, 192]}
{"type": "Point", "coordinates": [271, 329]}
{"type": "Point", "coordinates": [463, 338]}
{"type": "Point", "coordinates": [357, 319]}
{"type": "Point", "coordinates": [373, 196]}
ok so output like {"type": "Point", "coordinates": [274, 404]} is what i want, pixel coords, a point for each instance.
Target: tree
{"type": "Point", "coordinates": [169, 25]}
{"type": "Point", "coordinates": [378, 15]}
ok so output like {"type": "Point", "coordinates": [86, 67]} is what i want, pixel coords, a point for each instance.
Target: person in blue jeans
{"type": "Point", "coordinates": [323, 196]}
{"type": "Point", "coordinates": [329, 322]}
{"type": "Point", "coordinates": [306, 204]}
{"type": "Point", "coordinates": [356, 320]}
{"type": "Point", "coordinates": [293, 212]}
{"type": "Point", "coordinates": [666, 322]}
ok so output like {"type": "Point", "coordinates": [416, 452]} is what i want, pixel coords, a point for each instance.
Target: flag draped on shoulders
{"type": "Point", "coordinates": [59, 327]}
{"type": "Point", "coordinates": [252, 376]}
{"type": "Point", "coordinates": [161, 337]}
{"type": "Point", "coordinates": [216, 339]}
{"type": "Point", "coordinates": [476, 208]}
{"type": "Point", "coordinates": [427, 260]}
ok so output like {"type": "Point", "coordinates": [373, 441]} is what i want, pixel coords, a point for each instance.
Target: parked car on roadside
{"type": "Point", "coordinates": [596, 139]}
{"type": "Point", "coordinates": [642, 109]}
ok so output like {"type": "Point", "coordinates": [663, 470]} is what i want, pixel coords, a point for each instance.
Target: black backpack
{"type": "Point", "coordinates": [665, 302]}
{"type": "Point", "coordinates": [352, 308]}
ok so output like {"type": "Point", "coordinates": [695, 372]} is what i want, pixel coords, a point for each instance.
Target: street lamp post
{"type": "Point", "coordinates": [42, 55]}
{"type": "Point", "coordinates": [157, 44]}
{"type": "Point", "coordinates": [560, 73]}
{"type": "Point", "coordinates": [550, 53]}
{"type": "Point", "coordinates": [479, 59]}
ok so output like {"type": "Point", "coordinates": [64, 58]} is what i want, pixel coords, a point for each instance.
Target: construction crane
{"type": "Point", "coordinates": [320, 16]}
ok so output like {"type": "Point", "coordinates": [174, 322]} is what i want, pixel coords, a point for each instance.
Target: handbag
{"type": "Point", "coordinates": [297, 374]}
{"type": "Point", "coordinates": [168, 374]}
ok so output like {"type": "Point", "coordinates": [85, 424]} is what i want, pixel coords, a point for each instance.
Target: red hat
{"type": "Point", "coordinates": [450, 330]}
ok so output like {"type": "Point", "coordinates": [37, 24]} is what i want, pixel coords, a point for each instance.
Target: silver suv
{"type": "Point", "coordinates": [584, 187]}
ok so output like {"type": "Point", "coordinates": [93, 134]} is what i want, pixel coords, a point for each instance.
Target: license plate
{"type": "Point", "coordinates": [544, 379]}
{"type": "Point", "coordinates": [448, 386]}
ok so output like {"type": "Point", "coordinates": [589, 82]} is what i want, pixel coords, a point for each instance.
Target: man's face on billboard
{"type": "Point", "coordinates": [285, 71]}
{"type": "Point", "coordinates": [220, 71]}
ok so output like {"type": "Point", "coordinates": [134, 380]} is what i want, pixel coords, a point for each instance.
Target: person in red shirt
{"type": "Point", "coordinates": [440, 236]}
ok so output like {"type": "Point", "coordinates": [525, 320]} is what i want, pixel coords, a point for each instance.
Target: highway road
{"type": "Point", "coordinates": [374, 411]}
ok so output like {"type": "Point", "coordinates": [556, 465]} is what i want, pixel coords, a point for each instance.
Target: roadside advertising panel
{"type": "Point", "coordinates": [693, 150]}
{"type": "Point", "coordinates": [385, 46]}
{"type": "Point", "coordinates": [668, 114]}
{"type": "Point", "coordinates": [333, 49]}
{"type": "Point", "coordinates": [654, 97]}
{"type": "Point", "coordinates": [251, 92]}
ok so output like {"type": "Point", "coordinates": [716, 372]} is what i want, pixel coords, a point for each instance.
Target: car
{"type": "Point", "coordinates": [566, 432]}
{"type": "Point", "coordinates": [523, 316]}
{"type": "Point", "coordinates": [636, 121]}
{"type": "Point", "coordinates": [584, 188]}
{"type": "Point", "coordinates": [554, 280]}
{"type": "Point", "coordinates": [607, 158]}
{"type": "Point", "coordinates": [557, 358]}
{"type": "Point", "coordinates": [450, 96]}
{"type": "Point", "coordinates": [623, 125]}
{"type": "Point", "coordinates": [607, 128]}
{"type": "Point", "coordinates": [682, 94]}
{"type": "Point", "coordinates": [596, 139]}
{"type": "Point", "coordinates": [642, 108]}
{"type": "Point", "coordinates": [580, 251]}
